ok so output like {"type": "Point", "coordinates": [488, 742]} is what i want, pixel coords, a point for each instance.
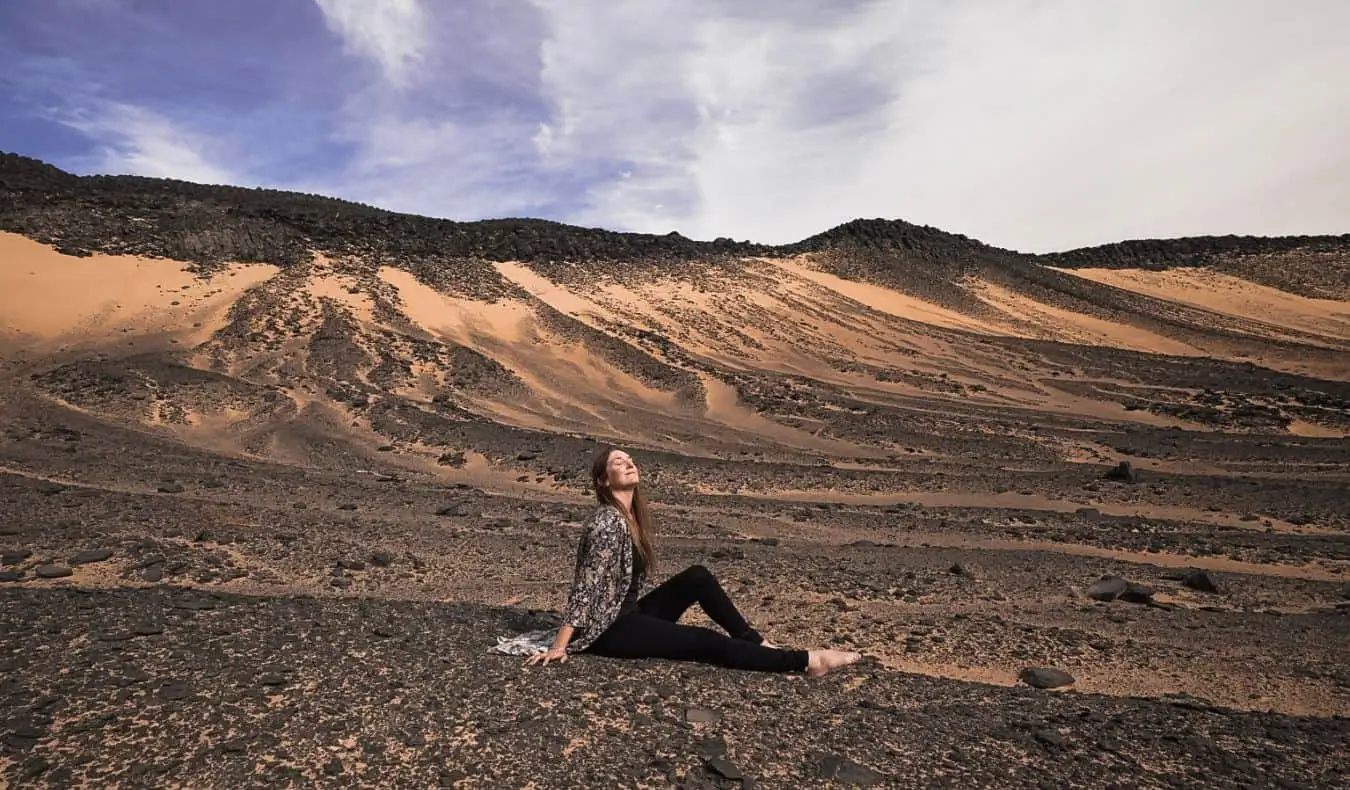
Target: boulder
{"type": "Point", "coordinates": [1122, 473]}
{"type": "Point", "coordinates": [1045, 677]}
{"type": "Point", "coordinates": [1108, 588]}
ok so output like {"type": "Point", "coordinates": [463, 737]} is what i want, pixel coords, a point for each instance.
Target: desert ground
{"type": "Point", "coordinates": [262, 520]}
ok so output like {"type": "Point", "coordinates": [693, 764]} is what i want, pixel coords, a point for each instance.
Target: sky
{"type": "Point", "coordinates": [1036, 125]}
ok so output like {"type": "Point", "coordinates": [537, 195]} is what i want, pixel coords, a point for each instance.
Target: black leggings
{"type": "Point", "coordinates": [653, 630]}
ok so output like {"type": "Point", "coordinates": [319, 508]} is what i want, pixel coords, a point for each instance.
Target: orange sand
{"type": "Point", "coordinates": [48, 299]}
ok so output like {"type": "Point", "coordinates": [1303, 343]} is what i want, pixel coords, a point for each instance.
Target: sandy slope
{"type": "Point", "coordinates": [1229, 295]}
{"type": "Point", "coordinates": [48, 299]}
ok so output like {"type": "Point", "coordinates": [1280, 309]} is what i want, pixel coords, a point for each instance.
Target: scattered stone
{"type": "Point", "coordinates": [454, 511]}
{"type": "Point", "coordinates": [838, 769]}
{"type": "Point", "coordinates": [195, 604]}
{"type": "Point", "coordinates": [34, 767]}
{"type": "Point", "coordinates": [172, 691]}
{"type": "Point", "coordinates": [272, 679]}
{"type": "Point", "coordinates": [1052, 738]}
{"type": "Point", "coordinates": [15, 557]}
{"type": "Point", "coordinates": [701, 716]}
{"type": "Point", "coordinates": [1200, 580]}
{"type": "Point", "coordinates": [148, 629]}
{"type": "Point", "coordinates": [11, 576]}
{"type": "Point", "coordinates": [725, 768]}
{"type": "Point", "coordinates": [52, 571]}
{"type": "Point", "coordinates": [1122, 473]}
{"type": "Point", "coordinates": [154, 573]}
{"type": "Point", "coordinates": [171, 488]}
{"type": "Point", "coordinates": [1045, 678]}
{"type": "Point", "coordinates": [709, 748]}
{"type": "Point", "coordinates": [1137, 593]}
{"type": "Point", "coordinates": [347, 506]}
{"type": "Point", "coordinates": [1108, 588]}
{"type": "Point", "coordinates": [50, 489]}
{"type": "Point", "coordinates": [381, 559]}
{"type": "Point", "coordinates": [91, 556]}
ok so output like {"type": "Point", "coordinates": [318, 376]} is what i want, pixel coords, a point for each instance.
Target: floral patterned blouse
{"type": "Point", "coordinates": [604, 573]}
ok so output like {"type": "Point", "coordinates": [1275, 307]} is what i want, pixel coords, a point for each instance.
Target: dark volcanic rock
{"type": "Point", "coordinates": [1123, 472]}
{"type": "Point", "coordinates": [838, 769]}
{"type": "Point", "coordinates": [91, 556]}
{"type": "Point", "coordinates": [1137, 593]}
{"type": "Point", "coordinates": [52, 571]}
{"type": "Point", "coordinates": [1045, 678]}
{"type": "Point", "coordinates": [1200, 580]}
{"type": "Point", "coordinates": [725, 768]}
{"type": "Point", "coordinates": [1107, 589]}
{"type": "Point", "coordinates": [173, 691]}
{"type": "Point", "coordinates": [15, 557]}
{"type": "Point", "coordinates": [11, 575]}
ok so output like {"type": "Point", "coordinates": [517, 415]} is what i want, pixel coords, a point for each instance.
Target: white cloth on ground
{"type": "Point", "coordinates": [527, 644]}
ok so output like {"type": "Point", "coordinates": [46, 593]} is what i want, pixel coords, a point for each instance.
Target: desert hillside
{"type": "Point", "coordinates": [235, 416]}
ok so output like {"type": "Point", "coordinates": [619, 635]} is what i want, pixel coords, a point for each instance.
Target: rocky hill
{"type": "Point", "coordinates": [281, 466]}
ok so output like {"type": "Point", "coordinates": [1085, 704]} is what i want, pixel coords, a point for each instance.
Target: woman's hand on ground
{"type": "Point", "coordinates": [558, 654]}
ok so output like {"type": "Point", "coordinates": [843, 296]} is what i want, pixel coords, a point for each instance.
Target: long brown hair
{"type": "Point", "coordinates": [639, 520]}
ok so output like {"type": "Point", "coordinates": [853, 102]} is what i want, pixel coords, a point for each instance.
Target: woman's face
{"type": "Point", "coordinates": [621, 472]}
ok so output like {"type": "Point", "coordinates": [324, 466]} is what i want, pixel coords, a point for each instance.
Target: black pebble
{"type": "Point", "coordinates": [90, 556]}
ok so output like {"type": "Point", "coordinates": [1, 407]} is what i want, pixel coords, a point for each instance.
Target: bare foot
{"type": "Point", "coordinates": [821, 662]}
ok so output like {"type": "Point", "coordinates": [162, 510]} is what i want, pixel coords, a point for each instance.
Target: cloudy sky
{"type": "Point", "coordinates": [1030, 124]}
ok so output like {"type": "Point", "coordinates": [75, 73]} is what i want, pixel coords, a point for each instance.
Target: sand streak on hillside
{"type": "Point", "coordinates": [48, 299]}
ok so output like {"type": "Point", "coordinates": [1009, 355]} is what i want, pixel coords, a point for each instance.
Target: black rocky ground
{"type": "Point", "coordinates": [233, 623]}
{"type": "Point", "coordinates": [170, 686]}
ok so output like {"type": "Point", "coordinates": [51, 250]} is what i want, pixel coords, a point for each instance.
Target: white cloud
{"type": "Point", "coordinates": [136, 141]}
{"type": "Point", "coordinates": [1033, 124]}
{"type": "Point", "coordinates": [392, 33]}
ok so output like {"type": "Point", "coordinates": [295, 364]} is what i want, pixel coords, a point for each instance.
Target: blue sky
{"type": "Point", "coordinates": [1031, 124]}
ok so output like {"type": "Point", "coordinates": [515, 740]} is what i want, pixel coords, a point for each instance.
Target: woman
{"type": "Point", "coordinates": [604, 615]}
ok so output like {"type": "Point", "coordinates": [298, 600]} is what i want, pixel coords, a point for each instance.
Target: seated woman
{"type": "Point", "coordinates": [604, 615]}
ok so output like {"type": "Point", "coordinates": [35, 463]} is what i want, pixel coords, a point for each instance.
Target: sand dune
{"type": "Point", "coordinates": [1229, 295]}
{"type": "Point", "coordinates": [48, 299]}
